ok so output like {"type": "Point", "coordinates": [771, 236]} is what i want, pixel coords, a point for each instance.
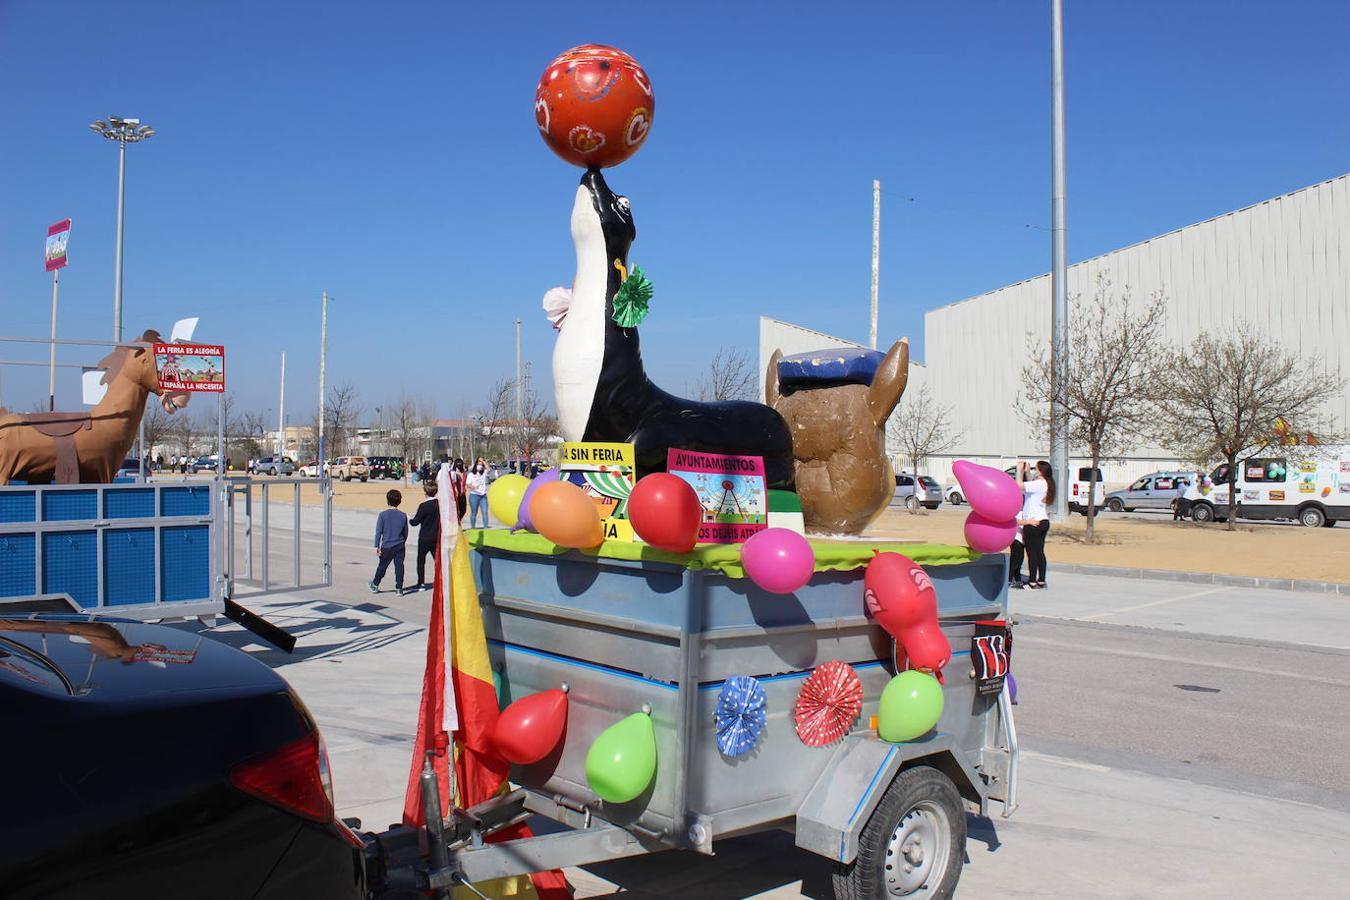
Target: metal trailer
{"type": "Point", "coordinates": [624, 636]}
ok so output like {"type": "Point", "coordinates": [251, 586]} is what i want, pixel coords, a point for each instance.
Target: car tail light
{"type": "Point", "coordinates": [294, 777]}
{"type": "Point", "coordinates": [1075, 489]}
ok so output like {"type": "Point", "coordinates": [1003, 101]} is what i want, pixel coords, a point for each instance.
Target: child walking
{"type": "Point", "coordinates": [428, 520]}
{"type": "Point", "coordinates": [391, 534]}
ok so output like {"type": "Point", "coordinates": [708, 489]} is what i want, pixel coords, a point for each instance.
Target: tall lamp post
{"type": "Point", "coordinates": [124, 131]}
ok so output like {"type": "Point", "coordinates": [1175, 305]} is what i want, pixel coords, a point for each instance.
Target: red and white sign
{"type": "Point", "coordinates": [191, 367]}
{"type": "Point", "coordinates": [57, 238]}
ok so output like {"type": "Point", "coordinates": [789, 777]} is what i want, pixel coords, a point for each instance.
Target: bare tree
{"type": "Point", "coordinates": [340, 413]}
{"type": "Point", "coordinates": [1227, 395]}
{"type": "Point", "coordinates": [158, 425]}
{"type": "Point", "coordinates": [497, 413]}
{"type": "Point", "coordinates": [1112, 372]}
{"type": "Point", "coordinates": [536, 425]}
{"type": "Point", "coordinates": [731, 376]}
{"type": "Point", "coordinates": [409, 425]}
{"type": "Point", "coordinates": [921, 427]}
{"type": "Point", "coordinates": [187, 431]}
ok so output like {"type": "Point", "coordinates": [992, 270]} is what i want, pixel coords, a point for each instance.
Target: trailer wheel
{"type": "Point", "coordinates": [913, 845]}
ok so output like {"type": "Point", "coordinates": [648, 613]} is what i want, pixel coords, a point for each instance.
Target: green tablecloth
{"type": "Point", "coordinates": [831, 556]}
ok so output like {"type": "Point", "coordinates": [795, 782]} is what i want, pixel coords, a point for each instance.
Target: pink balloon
{"type": "Point", "coordinates": [778, 560]}
{"type": "Point", "coordinates": [984, 535]}
{"type": "Point", "coordinates": [989, 491]}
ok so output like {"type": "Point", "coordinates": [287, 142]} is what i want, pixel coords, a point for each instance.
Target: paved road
{"type": "Point", "coordinates": [1183, 740]}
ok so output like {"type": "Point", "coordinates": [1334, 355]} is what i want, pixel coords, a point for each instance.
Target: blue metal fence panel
{"type": "Point", "coordinates": [70, 565]}
{"type": "Point", "coordinates": [128, 566]}
{"type": "Point", "coordinates": [18, 506]}
{"type": "Point", "coordinates": [65, 506]}
{"type": "Point", "coordinates": [191, 500]}
{"type": "Point", "coordinates": [18, 565]}
{"type": "Point", "coordinates": [129, 504]}
{"type": "Point", "coordinates": [185, 562]}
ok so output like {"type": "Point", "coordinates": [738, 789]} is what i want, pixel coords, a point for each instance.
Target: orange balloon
{"type": "Point", "coordinates": [563, 513]}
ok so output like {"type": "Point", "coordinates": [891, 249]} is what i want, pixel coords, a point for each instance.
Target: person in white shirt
{"type": "Point", "coordinates": [1186, 497]}
{"type": "Point", "coordinates": [1038, 492]}
{"type": "Point", "coordinates": [477, 483]}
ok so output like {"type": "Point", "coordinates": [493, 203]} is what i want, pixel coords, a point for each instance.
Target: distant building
{"type": "Point", "coordinates": [1282, 265]}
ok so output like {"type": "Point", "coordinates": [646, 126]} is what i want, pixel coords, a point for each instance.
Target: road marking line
{"type": "Point", "coordinates": [1184, 660]}
{"type": "Point", "coordinates": [1125, 609]}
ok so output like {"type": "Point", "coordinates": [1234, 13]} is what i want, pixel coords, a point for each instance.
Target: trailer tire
{"type": "Point", "coordinates": [919, 823]}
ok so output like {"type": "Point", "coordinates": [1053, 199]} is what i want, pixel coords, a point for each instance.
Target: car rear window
{"type": "Point", "coordinates": [1085, 474]}
{"type": "Point", "coordinates": [928, 481]}
{"type": "Point", "coordinates": [358, 460]}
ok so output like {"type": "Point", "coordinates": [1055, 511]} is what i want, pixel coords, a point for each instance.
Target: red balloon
{"type": "Point", "coordinates": [665, 512]}
{"type": "Point", "coordinates": [900, 596]}
{"type": "Point", "coordinates": [594, 106]}
{"type": "Point", "coordinates": [530, 729]}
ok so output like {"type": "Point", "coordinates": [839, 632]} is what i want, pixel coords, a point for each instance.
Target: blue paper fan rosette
{"type": "Point", "coordinates": [740, 715]}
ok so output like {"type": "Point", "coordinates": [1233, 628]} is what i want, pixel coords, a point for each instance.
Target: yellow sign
{"type": "Point", "coordinates": [607, 473]}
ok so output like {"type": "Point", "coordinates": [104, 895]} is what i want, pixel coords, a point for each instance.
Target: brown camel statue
{"type": "Point", "coordinates": [844, 478]}
{"type": "Point", "coordinates": [88, 446]}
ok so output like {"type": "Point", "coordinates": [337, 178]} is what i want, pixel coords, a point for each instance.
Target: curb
{"type": "Point", "coordinates": [1249, 581]}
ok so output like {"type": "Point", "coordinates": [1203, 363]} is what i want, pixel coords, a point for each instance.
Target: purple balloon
{"type": "Point", "coordinates": [987, 536]}
{"type": "Point", "coordinates": [523, 516]}
{"type": "Point", "coordinates": [1012, 688]}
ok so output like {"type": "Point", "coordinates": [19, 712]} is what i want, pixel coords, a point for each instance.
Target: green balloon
{"type": "Point", "coordinates": [910, 706]}
{"type": "Point", "coordinates": [622, 761]}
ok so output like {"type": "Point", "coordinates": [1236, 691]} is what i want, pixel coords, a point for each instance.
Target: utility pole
{"type": "Point", "coordinates": [323, 361]}
{"type": "Point", "coordinates": [281, 411]}
{"type": "Point", "coordinates": [520, 387]}
{"type": "Point", "coordinates": [1059, 318]}
{"type": "Point", "coordinates": [876, 258]}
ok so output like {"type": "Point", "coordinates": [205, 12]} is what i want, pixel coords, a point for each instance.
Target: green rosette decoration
{"type": "Point", "coordinates": [632, 299]}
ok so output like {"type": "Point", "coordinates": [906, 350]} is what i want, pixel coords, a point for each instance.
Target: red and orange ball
{"type": "Point", "coordinates": [594, 106]}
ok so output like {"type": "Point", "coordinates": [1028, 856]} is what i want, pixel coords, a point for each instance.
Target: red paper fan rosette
{"type": "Point", "coordinates": [828, 704]}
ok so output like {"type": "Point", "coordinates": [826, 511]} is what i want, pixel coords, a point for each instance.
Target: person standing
{"type": "Point", "coordinates": [1190, 492]}
{"type": "Point", "coordinates": [477, 483]}
{"type": "Point", "coordinates": [457, 479]}
{"type": "Point", "coordinates": [1038, 492]}
{"type": "Point", "coordinates": [391, 537]}
{"type": "Point", "coordinates": [428, 522]}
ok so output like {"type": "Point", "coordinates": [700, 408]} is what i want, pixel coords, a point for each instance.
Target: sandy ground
{"type": "Point", "coordinates": [1146, 541]}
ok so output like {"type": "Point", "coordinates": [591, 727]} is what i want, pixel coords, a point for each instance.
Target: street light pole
{"type": "Point", "coordinates": [1059, 313]}
{"type": "Point", "coordinates": [124, 131]}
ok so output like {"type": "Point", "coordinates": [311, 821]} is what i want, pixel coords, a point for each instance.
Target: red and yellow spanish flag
{"type": "Point", "coordinates": [463, 705]}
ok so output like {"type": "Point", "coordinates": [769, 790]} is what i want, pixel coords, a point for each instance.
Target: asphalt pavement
{"type": "Point", "coordinates": [1180, 740]}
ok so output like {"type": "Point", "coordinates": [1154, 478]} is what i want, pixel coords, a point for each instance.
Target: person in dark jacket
{"type": "Point", "coordinates": [428, 522]}
{"type": "Point", "coordinates": [391, 536]}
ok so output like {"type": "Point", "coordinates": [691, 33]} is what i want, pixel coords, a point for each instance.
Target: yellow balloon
{"type": "Point", "coordinates": [504, 498]}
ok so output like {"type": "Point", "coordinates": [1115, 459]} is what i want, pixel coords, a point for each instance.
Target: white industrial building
{"type": "Point", "coordinates": [1282, 265]}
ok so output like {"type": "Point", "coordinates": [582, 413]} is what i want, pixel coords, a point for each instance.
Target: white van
{"type": "Point", "coordinates": [1312, 487]}
{"type": "Point", "coordinates": [1078, 491]}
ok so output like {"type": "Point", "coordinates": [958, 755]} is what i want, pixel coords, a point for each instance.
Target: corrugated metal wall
{"type": "Point", "coordinates": [1282, 265]}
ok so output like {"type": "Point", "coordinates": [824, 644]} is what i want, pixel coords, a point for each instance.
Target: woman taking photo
{"type": "Point", "coordinates": [1038, 492]}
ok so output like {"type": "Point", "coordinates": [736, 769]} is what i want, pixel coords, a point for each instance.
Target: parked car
{"type": "Point", "coordinates": [274, 465]}
{"type": "Point", "coordinates": [926, 493]}
{"type": "Point", "coordinates": [386, 466]}
{"type": "Point", "coordinates": [203, 464]}
{"type": "Point", "coordinates": [1157, 490]}
{"type": "Point", "coordinates": [1078, 491]}
{"type": "Point", "coordinates": [130, 470]}
{"type": "Point", "coordinates": [952, 494]}
{"type": "Point", "coordinates": [349, 467]}
{"type": "Point", "coordinates": [309, 469]}
{"type": "Point", "coordinates": [210, 779]}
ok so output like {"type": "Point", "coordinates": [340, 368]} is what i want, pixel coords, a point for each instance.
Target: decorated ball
{"type": "Point", "coordinates": [594, 106]}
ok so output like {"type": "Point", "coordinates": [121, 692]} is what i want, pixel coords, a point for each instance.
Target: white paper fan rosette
{"type": "Point", "coordinates": [828, 704]}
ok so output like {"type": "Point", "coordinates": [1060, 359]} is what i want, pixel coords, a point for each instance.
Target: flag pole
{"type": "Point", "coordinates": [51, 373]}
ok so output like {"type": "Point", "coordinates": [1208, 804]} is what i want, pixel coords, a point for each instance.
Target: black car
{"type": "Point", "coordinates": [145, 761]}
{"type": "Point", "coordinates": [386, 466]}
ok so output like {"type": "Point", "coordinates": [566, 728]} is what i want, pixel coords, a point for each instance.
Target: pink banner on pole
{"type": "Point", "coordinates": [57, 237]}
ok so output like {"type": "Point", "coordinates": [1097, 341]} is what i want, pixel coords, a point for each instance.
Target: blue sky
{"type": "Point", "coordinates": [388, 154]}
